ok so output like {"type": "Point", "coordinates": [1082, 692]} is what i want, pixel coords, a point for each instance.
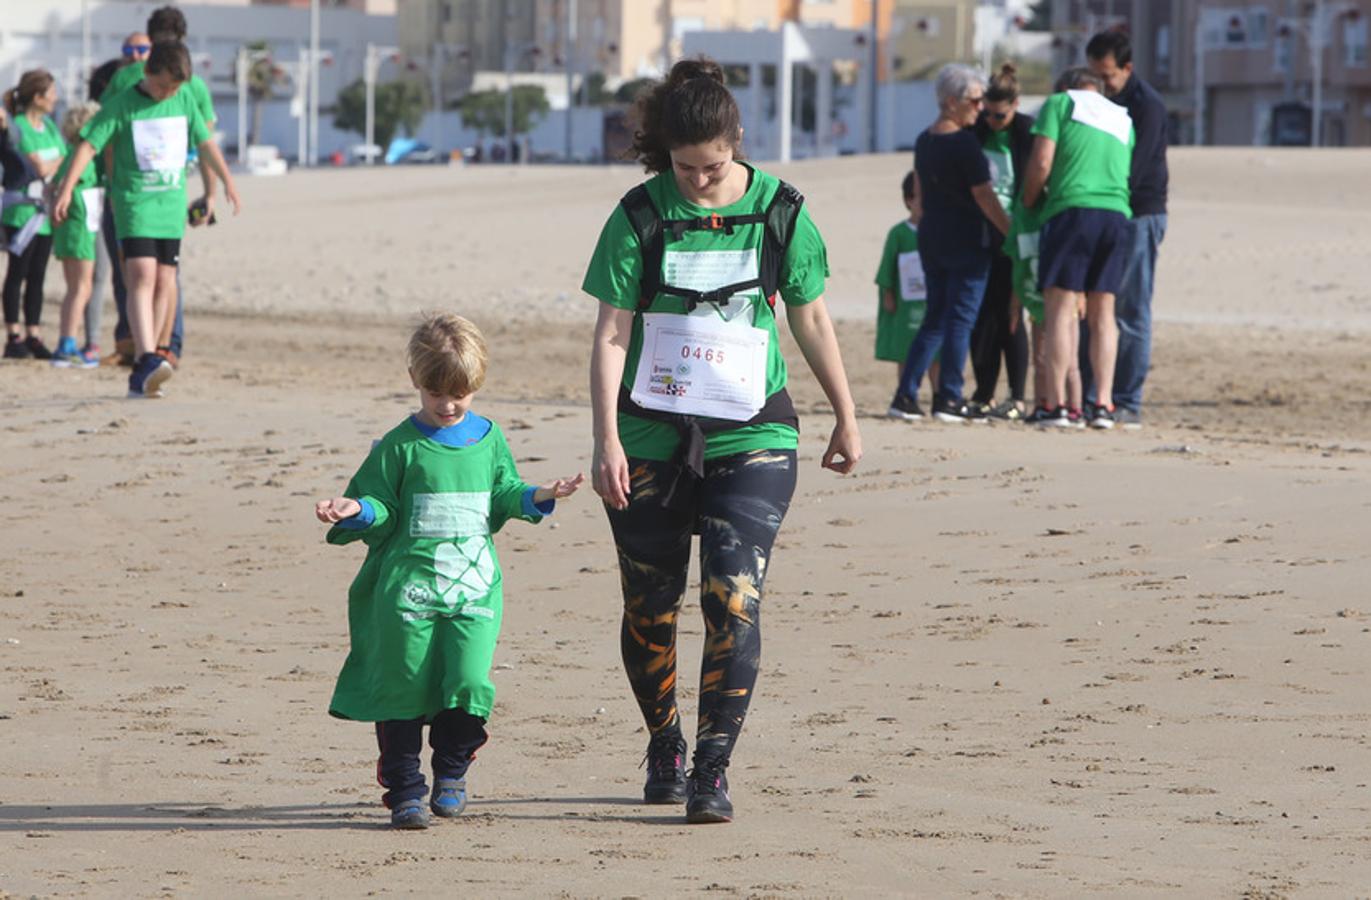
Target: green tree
{"type": "Point", "coordinates": [628, 91]}
{"type": "Point", "coordinates": [1040, 16]}
{"type": "Point", "coordinates": [594, 91]}
{"type": "Point", "coordinates": [399, 105]}
{"type": "Point", "coordinates": [485, 110]}
{"type": "Point", "coordinates": [264, 76]}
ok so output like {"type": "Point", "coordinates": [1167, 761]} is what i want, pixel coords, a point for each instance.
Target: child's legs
{"type": "Point", "coordinates": [141, 274]}
{"type": "Point", "coordinates": [1059, 342]}
{"type": "Point", "coordinates": [80, 276]}
{"type": "Point", "coordinates": [165, 303]}
{"type": "Point", "coordinates": [455, 735]}
{"type": "Point", "coordinates": [400, 741]}
{"type": "Point", "coordinates": [1104, 343]}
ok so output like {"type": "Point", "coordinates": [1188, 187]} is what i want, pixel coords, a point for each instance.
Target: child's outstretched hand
{"type": "Point", "coordinates": [556, 490]}
{"type": "Point", "coordinates": [337, 509]}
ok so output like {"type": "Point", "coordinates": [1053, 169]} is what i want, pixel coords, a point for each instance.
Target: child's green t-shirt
{"type": "Point", "coordinates": [129, 75]}
{"type": "Point", "coordinates": [1001, 158]}
{"type": "Point", "coordinates": [151, 139]}
{"type": "Point", "coordinates": [703, 259]}
{"type": "Point", "coordinates": [47, 142]}
{"type": "Point", "coordinates": [901, 271]}
{"type": "Point", "coordinates": [424, 611]}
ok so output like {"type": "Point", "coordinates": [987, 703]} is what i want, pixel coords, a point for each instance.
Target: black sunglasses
{"type": "Point", "coordinates": [998, 117]}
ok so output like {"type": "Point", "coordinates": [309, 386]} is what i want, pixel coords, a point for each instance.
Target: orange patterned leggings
{"type": "Point", "coordinates": [737, 509]}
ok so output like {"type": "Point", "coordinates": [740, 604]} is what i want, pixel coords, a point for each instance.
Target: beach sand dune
{"type": "Point", "coordinates": [996, 661]}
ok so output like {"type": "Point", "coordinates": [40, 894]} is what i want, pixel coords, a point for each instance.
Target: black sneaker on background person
{"type": "Point", "coordinates": [1128, 419]}
{"type": "Point", "coordinates": [906, 408]}
{"type": "Point", "coordinates": [665, 761]}
{"type": "Point", "coordinates": [1102, 417]}
{"type": "Point", "coordinates": [956, 411]}
{"type": "Point", "coordinates": [1056, 418]}
{"type": "Point", "coordinates": [37, 349]}
{"type": "Point", "coordinates": [15, 348]}
{"type": "Point", "coordinates": [707, 793]}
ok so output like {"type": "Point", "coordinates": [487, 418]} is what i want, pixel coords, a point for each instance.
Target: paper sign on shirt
{"type": "Point", "coordinates": [705, 270]}
{"type": "Point", "coordinates": [1089, 108]}
{"type": "Point", "coordinates": [701, 366]}
{"type": "Point", "coordinates": [912, 284]}
{"type": "Point", "coordinates": [94, 199]}
{"type": "Point", "coordinates": [159, 146]}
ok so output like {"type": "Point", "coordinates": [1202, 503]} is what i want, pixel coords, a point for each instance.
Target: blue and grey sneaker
{"type": "Point", "coordinates": [707, 793]}
{"type": "Point", "coordinates": [1128, 419]}
{"type": "Point", "coordinates": [449, 797]}
{"type": "Point", "coordinates": [409, 815]}
{"type": "Point", "coordinates": [148, 375]}
{"type": "Point", "coordinates": [69, 356]}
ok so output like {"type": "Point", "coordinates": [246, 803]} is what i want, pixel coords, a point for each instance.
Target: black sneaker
{"type": "Point", "coordinates": [1037, 416]}
{"type": "Point", "coordinates": [1102, 417]}
{"type": "Point", "coordinates": [37, 349]}
{"type": "Point", "coordinates": [906, 408]}
{"type": "Point", "coordinates": [956, 411]}
{"type": "Point", "coordinates": [1054, 418]}
{"type": "Point", "coordinates": [707, 793]}
{"type": "Point", "coordinates": [665, 760]}
{"type": "Point", "coordinates": [1008, 410]}
{"type": "Point", "coordinates": [1129, 420]}
{"type": "Point", "coordinates": [16, 348]}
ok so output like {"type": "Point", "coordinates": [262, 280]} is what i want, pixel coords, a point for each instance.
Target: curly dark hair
{"type": "Point", "coordinates": [167, 24]}
{"type": "Point", "coordinates": [691, 105]}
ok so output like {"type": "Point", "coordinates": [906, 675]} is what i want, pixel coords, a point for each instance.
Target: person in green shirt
{"type": "Point", "coordinates": [902, 295]}
{"type": "Point", "coordinates": [424, 611]}
{"type": "Point", "coordinates": [1079, 174]}
{"type": "Point", "coordinates": [150, 127]}
{"type": "Point", "coordinates": [694, 431]}
{"type": "Point", "coordinates": [74, 244]}
{"type": "Point", "coordinates": [27, 230]}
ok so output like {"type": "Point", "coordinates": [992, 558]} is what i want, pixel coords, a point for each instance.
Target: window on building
{"type": "Point", "coordinates": [1281, 50]}
{"type": "Point", "coordinates": [1354, 34]}
{"type": "Point", "coordinates": [1162, 65]}
{"type": "Point", "coordinates": [1258, 27]}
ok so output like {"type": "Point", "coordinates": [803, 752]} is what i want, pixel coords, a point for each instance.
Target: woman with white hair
{"type": "Point", "coordinates": [955, 244]}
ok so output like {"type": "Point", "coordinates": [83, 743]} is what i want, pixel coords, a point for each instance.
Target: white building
{"type": "Point", "coordinates": [51, 34]}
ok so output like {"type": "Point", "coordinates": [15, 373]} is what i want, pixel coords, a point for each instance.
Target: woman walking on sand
{"type": "Point", "coordinates": [694, 430]}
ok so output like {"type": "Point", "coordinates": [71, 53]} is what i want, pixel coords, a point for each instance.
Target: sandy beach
{"type": "Point", "coordinates": [996, 662]}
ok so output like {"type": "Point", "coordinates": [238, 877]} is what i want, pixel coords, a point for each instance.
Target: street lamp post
{"type": "Point", "coordinates": [1315, 30]}
{"type": "Point", "coordinates": [568, 51]}
{"type": "Point", "coordinates": [372, 68]}
{"type": "Point", "coordinates": [313, 99]}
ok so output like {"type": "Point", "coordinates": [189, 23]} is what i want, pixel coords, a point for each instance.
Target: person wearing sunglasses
{"type": "Point", "coordinates": [960, 215]}
{"type": "Point", "coordinates": [1007, 141]}
{"type": "Point", "coordinates": [136, 47]}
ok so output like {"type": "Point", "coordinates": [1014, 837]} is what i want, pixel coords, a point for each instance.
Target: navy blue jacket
{"type": "Point", "coordinates": [1148, 179]}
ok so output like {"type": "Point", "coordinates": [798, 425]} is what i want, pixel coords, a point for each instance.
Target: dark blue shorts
{"type": "Point", "coordinates": [1083, 250]}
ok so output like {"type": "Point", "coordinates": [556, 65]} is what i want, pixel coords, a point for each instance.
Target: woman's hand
{"type": "Point", "coordinates": [609, 474]}
{"type": "Point", "coordinates": [330, 512]}
{"type": "Point", "coordinates": [844, 447]}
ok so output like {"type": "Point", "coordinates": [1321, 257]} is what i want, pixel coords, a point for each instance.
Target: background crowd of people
{"type": "Point", "coordinates": [1059, 218]}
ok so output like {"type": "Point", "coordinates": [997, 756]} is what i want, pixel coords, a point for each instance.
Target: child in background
{"type": "Point", "coordinates": [424, 611]}
{"type": "Point", "coordinates": [903, 294]}
{"type": "Point", "coordinates": [1021, 246]}
{"type": "Point", "coordinates": [73, 242]}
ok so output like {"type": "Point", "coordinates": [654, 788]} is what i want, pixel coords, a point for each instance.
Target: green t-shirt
{"type": "Point", "coordinates": [1094, 138]}
{"type": "Point", "coordinates": [127, 76]}
{"type": "Point", "coordinates": [74, 238]}
{"type": "Point", "coordinates": [1021, 246]}
{"type": "Point", "coordinates": [424, 611]}
{"type": "Point", "coordinates": [901, 270]}
{"type": "Point", "coordinates": [1001, 158]}
{"type": "Point", "coordinates": [47, 143]}
{"type": "Point", "coordinates": [151, 138]}
{"type": "Point", "coordinates": [616, 270]}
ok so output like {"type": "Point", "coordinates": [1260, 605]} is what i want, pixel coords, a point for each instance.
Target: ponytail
{"type": "Point", "coordinates": [1004, 85]}
{"type": "Point", "coordinates": [10, 107]}
{"type": "Point", "coordinates": [33, 83]}
{"type": "Point", "coordinates": [692, 105]}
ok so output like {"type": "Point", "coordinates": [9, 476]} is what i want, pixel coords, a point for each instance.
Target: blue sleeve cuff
{"type": "Point", "coordinates": [363, 519]}
{"type": "Point", "coordinates": [537, 509]}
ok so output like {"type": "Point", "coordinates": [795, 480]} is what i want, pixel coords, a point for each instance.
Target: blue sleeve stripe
{"type": "Point", "coordinates": [537, 509]}
{"type": "Point", "coordinates": [362, 520]}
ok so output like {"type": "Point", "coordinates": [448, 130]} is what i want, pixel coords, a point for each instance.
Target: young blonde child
{"type": "Point", "coordinates": [424, 611]}
{"type": "Point", "coordinates": [73, 242]}
{"type": "Point", "coordinates": [903, 293]}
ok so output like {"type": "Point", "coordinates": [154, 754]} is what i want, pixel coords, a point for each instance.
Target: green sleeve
{"type": "Point", "coordinates": [378, 483]}
{"type": "Point", "coordinates": [203, 101]}
{"type": "Point", "coordinates": [616, 268]}
{"type": "Point", "coordinates": [98, 131]}
{"type": "Point", "coordinates": [507, 493]}
{"type": "Point", "coordinates": [1049, 121]}
{"type": "Point", "coordinates": [887, 275]}
{"type": "Point", "coordinates": [805, 268]}
{"type": "Point", "coordinates": [124, 78]}
{"type": "Point", "coordinates": [199, 133]}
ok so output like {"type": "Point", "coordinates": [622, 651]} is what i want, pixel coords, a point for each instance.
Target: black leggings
{"type": "Point", "coordinates": [737, 509]}
{"type": "Point", "coordinates": [991, 337]}
{"type": "Point", "coordinates": [25, 274]}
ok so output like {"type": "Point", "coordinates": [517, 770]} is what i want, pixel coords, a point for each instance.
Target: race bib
{"type": "Point", "coordinates": [35, 189]}
{"type": "Point", "coordinates": [49, 154]}
{"type": "Point", "coordinates": [159, 147]}
{"type": "Point", "coordinates": [1028, 245]}
{"type": "Point", "coordinates": [94, 198]}
{"type": "Point", "coordinates": [702, 366]}
{"type": "Point", "coordinates": [450, 514]}
{"type": "Point", "coordinates": [1089, 108]}
{"type": "Point", "coordinates": [705, 270]}
{"type": "Point", "coordinates": [912, 284]}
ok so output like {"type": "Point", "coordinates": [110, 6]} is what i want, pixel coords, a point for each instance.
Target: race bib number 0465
{"type": "Point", "coordinates": [701, 366]}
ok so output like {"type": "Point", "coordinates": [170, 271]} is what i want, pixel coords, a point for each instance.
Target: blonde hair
{"type": "Point", "coordinates": [76, 119]}
{"type": "Point", "coordinates": [447, 355]}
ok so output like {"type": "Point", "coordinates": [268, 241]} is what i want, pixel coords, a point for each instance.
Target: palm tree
{"type": "Point", "coordinates": [264, 75]}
